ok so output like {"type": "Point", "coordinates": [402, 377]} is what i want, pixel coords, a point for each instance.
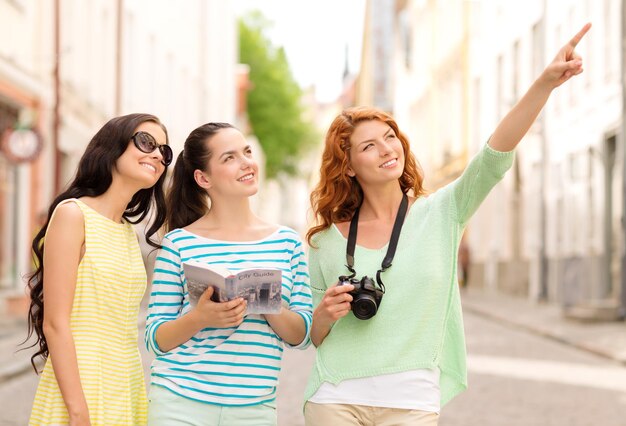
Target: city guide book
{"type": "Point", "coordinates": [261, 287]}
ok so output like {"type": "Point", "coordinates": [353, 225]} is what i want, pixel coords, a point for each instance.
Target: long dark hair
{"type": "Point", "coordinates": [186, 201]}
{"type": "Point", "coordinates": [93, 178]}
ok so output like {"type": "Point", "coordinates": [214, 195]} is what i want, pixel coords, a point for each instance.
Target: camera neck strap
{"type": "Point", "coordinates": [393, 241]}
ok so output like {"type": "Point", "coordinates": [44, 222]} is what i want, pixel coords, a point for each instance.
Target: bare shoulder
{"type": "Point", "coordinates": [68, 218]}
{"type": "Point", "coordinates": [68, 212]}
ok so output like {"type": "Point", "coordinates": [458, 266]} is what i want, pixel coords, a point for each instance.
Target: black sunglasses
{"type": "Point", "coordinates": [145, 142]}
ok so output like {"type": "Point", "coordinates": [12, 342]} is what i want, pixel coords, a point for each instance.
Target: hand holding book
{"type": "Point", "coordinates": [219, 314]}
{"type": "Point", "coordinates": [260, 287]}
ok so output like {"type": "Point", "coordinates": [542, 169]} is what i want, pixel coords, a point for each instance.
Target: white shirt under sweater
{"type": "Point", "coordinates": [409, 390]}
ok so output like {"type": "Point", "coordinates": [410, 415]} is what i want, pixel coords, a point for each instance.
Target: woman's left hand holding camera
{"type": "Point", "coordinates": [334, 305]}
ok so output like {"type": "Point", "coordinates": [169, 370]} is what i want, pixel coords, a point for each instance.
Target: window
{"type": "Point", "coordinates": [516, 72]}
{"type": "Point", "coordinates": [476, 114]}
{"type": "Point", "coordinates": [499, 88]}
{"type": "Point", "coordinates": [19, 5]}
{"type": "Point", "coordinates": [537, 45]}
{"type": "Point", "coordinates": [610, 37]}
{"type": "Point", "coordinates": [406, 35]}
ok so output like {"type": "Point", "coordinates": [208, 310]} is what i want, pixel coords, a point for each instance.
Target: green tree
{"type": "Point", "coordinates": [274, 101]}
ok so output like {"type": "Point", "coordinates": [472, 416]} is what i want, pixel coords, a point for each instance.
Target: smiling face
{"type": "Point", "coordinates": [376, 154]}
{"type": "Point", "coordinates": [145, 168]}
{"type": "Point", "coordinates": [232, 170]}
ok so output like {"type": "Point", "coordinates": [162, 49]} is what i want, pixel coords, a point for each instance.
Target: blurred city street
{"type": "Point", "coordinates": [542, 262]}
{"type": "Point", "coordinates": [519, 374]}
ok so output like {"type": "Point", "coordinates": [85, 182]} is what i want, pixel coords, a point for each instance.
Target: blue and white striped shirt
{"type": "Point", "coordinates": [226, 366]}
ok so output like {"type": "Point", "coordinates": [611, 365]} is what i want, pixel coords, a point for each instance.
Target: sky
{"type": "Point", "coordinates": [315, 34]}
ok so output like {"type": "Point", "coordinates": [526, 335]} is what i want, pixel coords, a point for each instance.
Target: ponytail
{"type": "Point", "coordinates": [186, 201]}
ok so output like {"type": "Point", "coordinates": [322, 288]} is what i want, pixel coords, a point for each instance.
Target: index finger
{"type": "Point", "coordinates": [576, 39]}
{"type": "Point", "coordinates": [232, 303]}
{"type": "Point", "coordinates": [338, 289]}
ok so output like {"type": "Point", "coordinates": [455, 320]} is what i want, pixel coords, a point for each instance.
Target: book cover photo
{"type": "Point", "coordinates": [261, 287]}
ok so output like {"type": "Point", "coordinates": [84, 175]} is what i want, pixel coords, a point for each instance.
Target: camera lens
{"type": "Point", "coordinates": [364, 306]}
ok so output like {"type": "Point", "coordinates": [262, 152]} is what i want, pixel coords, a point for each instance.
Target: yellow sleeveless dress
{"type": "Point", "coordinates": [110, 284]}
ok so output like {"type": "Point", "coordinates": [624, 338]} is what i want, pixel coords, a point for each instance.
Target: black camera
{"type": "Point", "coordinates": [366, 297]}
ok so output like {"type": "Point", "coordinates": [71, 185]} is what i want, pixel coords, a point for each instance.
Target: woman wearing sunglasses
{"type": "Point", "coordinates": [90, 278]}
{"type": "Point", "coordinates": [214, 364]}
{"type": "Point", "coordinates": [390, 342]}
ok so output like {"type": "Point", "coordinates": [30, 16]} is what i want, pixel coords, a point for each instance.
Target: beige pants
{"type": "Point", "coordinates": [362, 415]}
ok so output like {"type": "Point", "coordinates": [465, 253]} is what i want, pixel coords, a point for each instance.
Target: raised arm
{"type": "Point", "coordinates": [516, 123]}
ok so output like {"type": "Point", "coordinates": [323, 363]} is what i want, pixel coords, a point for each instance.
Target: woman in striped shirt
{"type": "Point", "coordinates": [215, 364]}
{"type": "Point", "coordinates": [91, 275]}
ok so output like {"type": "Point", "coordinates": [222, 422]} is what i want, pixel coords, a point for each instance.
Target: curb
{"type": "Point", "coordinates": [545, 332]}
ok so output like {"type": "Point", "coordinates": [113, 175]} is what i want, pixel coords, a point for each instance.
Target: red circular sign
{"type": "Point", "coordinates": [21, 145]}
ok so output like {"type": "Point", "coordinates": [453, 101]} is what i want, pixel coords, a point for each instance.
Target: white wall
{"type": "Point", "coordinates": [178, 62]}
{"type": "Point", "coordinates": [504, 61]}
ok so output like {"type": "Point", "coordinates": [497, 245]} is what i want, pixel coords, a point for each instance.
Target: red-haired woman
{"type": "Point", "coordinates": [389, 337]}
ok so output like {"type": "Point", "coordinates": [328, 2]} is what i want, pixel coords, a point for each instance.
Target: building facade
{"type": "Point", "coordinates": [112, 58]}
{"type": "Point", "coordinates": [25, 99]}
{"type": "Point", "coordinates": [551, 230]}
{"type": "Point", "coordinates": [555, 222]}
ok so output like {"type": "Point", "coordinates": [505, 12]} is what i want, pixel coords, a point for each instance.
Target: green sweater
{"type": "Point", "coordinates": [419, 323]}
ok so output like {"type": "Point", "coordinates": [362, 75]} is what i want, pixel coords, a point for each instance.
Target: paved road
{"type": "Point", "coordinates": [516, 379]}
{"type": "Point", "coordinates": [520, 379]}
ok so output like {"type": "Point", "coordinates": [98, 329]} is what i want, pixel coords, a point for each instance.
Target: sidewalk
{"type": "Point", "coordinates": [13, 331]}
{"type": "Point", "coordinates": [13, 361]}
{"type": "Point", "coordinates": [606, 339]}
